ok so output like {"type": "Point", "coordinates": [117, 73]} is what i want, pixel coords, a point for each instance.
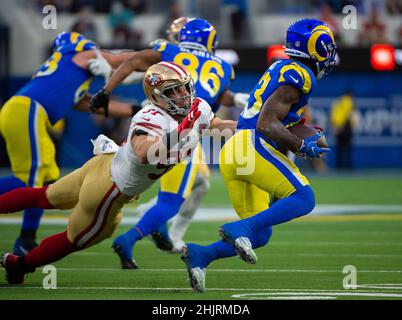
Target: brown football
{"type": "Point", "coordinates": [304, 131]}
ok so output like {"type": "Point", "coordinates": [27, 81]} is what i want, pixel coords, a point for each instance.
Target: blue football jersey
{"type": "Point", "coordinates": [211, 75]}
{"type": "Point", "coordinates": [59, 83]}
{"type": "Point", "coordinates": [282, 72]}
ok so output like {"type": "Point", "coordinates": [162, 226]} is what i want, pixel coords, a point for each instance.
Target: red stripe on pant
{"type": "Point", "coordinates": [98, 217]}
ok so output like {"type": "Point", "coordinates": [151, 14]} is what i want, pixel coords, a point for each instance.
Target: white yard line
{"type": "Point", "coordinates": [214, 214]}
{"type": "Point", "coordinates": [227, 270]}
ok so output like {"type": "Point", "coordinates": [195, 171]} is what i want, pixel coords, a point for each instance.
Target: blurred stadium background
{"type": "Point", "coordinates": [358, 186]}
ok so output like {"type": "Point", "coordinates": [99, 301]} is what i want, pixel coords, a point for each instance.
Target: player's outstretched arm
{"type": "Point", "coordinates": [117, 109]}
{"type": "Point", "coordinates": [221, 125]}
{"type": "Point", "coordinates": [138, 62]}
{"type": "Point", "coordinates": [229, 99]}
{"type": "Point", "coordinates": [274, 110]}
{"type": "Point", "coordinates": [141, 61]}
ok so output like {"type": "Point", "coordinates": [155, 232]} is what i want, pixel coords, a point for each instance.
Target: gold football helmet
{"type": "Point", "coordinates": [170, 87]}
{"type": "Point", "coordinates": [173, 33]}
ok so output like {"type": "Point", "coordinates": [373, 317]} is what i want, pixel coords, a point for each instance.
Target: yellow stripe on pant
{"type": "Point", "coordinates": [252, 169]}
{"type": "Point", "coordinates": [24, 123]}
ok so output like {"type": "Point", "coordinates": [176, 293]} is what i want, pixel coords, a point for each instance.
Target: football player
{"type": "Point", "coordinates": [212, 77]}
{"type": "Point", "coordinates": [98, 190]}
{"type": "Point", "coordinates": [275, 103]}
{"type": "Point", "coordinates": [60, 84]}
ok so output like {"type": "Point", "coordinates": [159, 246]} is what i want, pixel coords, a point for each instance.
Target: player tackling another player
{"type": "Point", "coordinates": [274, 105]}
{"type": "Point", "coordinates": [183, 187]}
{"type": "Point", "coordinates": [97, 191]}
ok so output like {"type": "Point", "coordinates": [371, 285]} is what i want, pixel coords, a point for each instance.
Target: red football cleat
{"type": "Point", "coordinates": [14, 273]}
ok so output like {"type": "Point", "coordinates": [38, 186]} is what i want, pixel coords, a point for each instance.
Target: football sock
{"type": "Point", "coordinates": [166, 207]}
{"type": "Point", "coordinates": [31, 219]}
{"type": "Point", "coordinates": [261, 237]}
{"type": "Point", "coordinates": [10, 183]}
{"type": "Point", "coordinates": [297, 204]}
{"type": "Point", "coordinates": [182, 221]}
{"type": "Point", "coordinates": [218, 250]}
{"type": "Point", "coordinates": [221, 249]}
{"type": "Point", "coordinates": [51, 249]}
{"type": "Point", "coordinates": [23, 198]}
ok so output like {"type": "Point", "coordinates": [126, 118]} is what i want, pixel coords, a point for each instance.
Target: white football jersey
{"type": "Point", "coordinates": [133, 177]}
{"type": "Point", "coordinates": [130, 175]}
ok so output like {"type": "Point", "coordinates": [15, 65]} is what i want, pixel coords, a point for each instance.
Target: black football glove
{"type": "Point", "coordinates": [100, 100]}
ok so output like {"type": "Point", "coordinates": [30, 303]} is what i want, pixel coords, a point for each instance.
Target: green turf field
{"type": "Point", "coordinates": [304, 259]}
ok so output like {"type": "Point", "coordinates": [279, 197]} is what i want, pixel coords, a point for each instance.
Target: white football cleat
{"type": "Point", "coordinates": [245, 250]}
{"type": "Point", "coordinates": [196, 277]}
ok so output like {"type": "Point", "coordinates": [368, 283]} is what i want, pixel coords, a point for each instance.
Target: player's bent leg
{"type": "Point", "coordinates": [187, 211]}
{"type": "Point", "coordinates": [180, 181]}
{"type": "Point", "coordinates": [167, 206]}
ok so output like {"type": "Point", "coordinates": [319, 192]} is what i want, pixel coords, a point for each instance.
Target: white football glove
{"type": "Point", "coordinates": [100, 66]}
{"type": "Point", "coordinates": [241, 100]}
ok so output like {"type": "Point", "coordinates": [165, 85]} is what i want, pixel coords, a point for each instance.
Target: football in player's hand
{"type": "Point", "coordinates": [304, 131]}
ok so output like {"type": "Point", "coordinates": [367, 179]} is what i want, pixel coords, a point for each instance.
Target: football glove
{"type": "Point", "coordinates": [100, 66]}
{"type": "Point", "coordinates": [100, 100]}
{"type": "Point", "coordinates": [191, 117]}
{"type": "Point", "coordinates": [241, 100]}
{"type": "Point", "coordinates": [309, 148]}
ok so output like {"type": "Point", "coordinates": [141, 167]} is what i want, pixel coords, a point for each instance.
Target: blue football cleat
{"type": "Point", "coordinates": [241, 243]}
{"type": "Point", "coordinates": [23, 246]}
{"type": "Point", "coordinates": [125, 253]}
{"type": "Point", "coordinates": [196, 267]}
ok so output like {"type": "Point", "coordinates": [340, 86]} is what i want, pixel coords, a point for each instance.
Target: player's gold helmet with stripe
{"type": "Point", "coordinates": [163, 85]}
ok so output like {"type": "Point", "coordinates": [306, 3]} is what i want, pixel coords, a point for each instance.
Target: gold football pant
{"type": "Point", "coordinates": [95, 201]}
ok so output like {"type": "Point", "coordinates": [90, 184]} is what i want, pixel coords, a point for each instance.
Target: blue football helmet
{"type": "Point", "coordinates": [312, 39]}
{"type": "Point", "coordinates": [199, 34]}
{"type": "Point", "coordinates": [66, 38]}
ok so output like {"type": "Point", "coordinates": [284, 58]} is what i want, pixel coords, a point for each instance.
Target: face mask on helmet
{"type": "Point", "coordinates": [169, 87]}
{"type": "Point", "coordinates": [312, 39]}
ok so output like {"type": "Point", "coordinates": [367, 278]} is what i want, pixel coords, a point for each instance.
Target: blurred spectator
{"type": "Point", "coordinates": [238, 18]}
{"type": "Point", "coordinates": [175, 11]}
{"type": "Point", "coordinates": [121, 20]}
{"type": "Point", "coordinates": [393, 6]}
{"type": "Point", "coordinates": [373, 30]}
{"type": "Point", "coordinates": [326, 16]}
{"type": "Point", "coordinates": [137, 6]}
{"type": "Point", "coordinates": [344, 121]}
{"type": "Point", "coordinates": [399, 35]}
{"type": "Point", "coordinates": [85, 24]}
